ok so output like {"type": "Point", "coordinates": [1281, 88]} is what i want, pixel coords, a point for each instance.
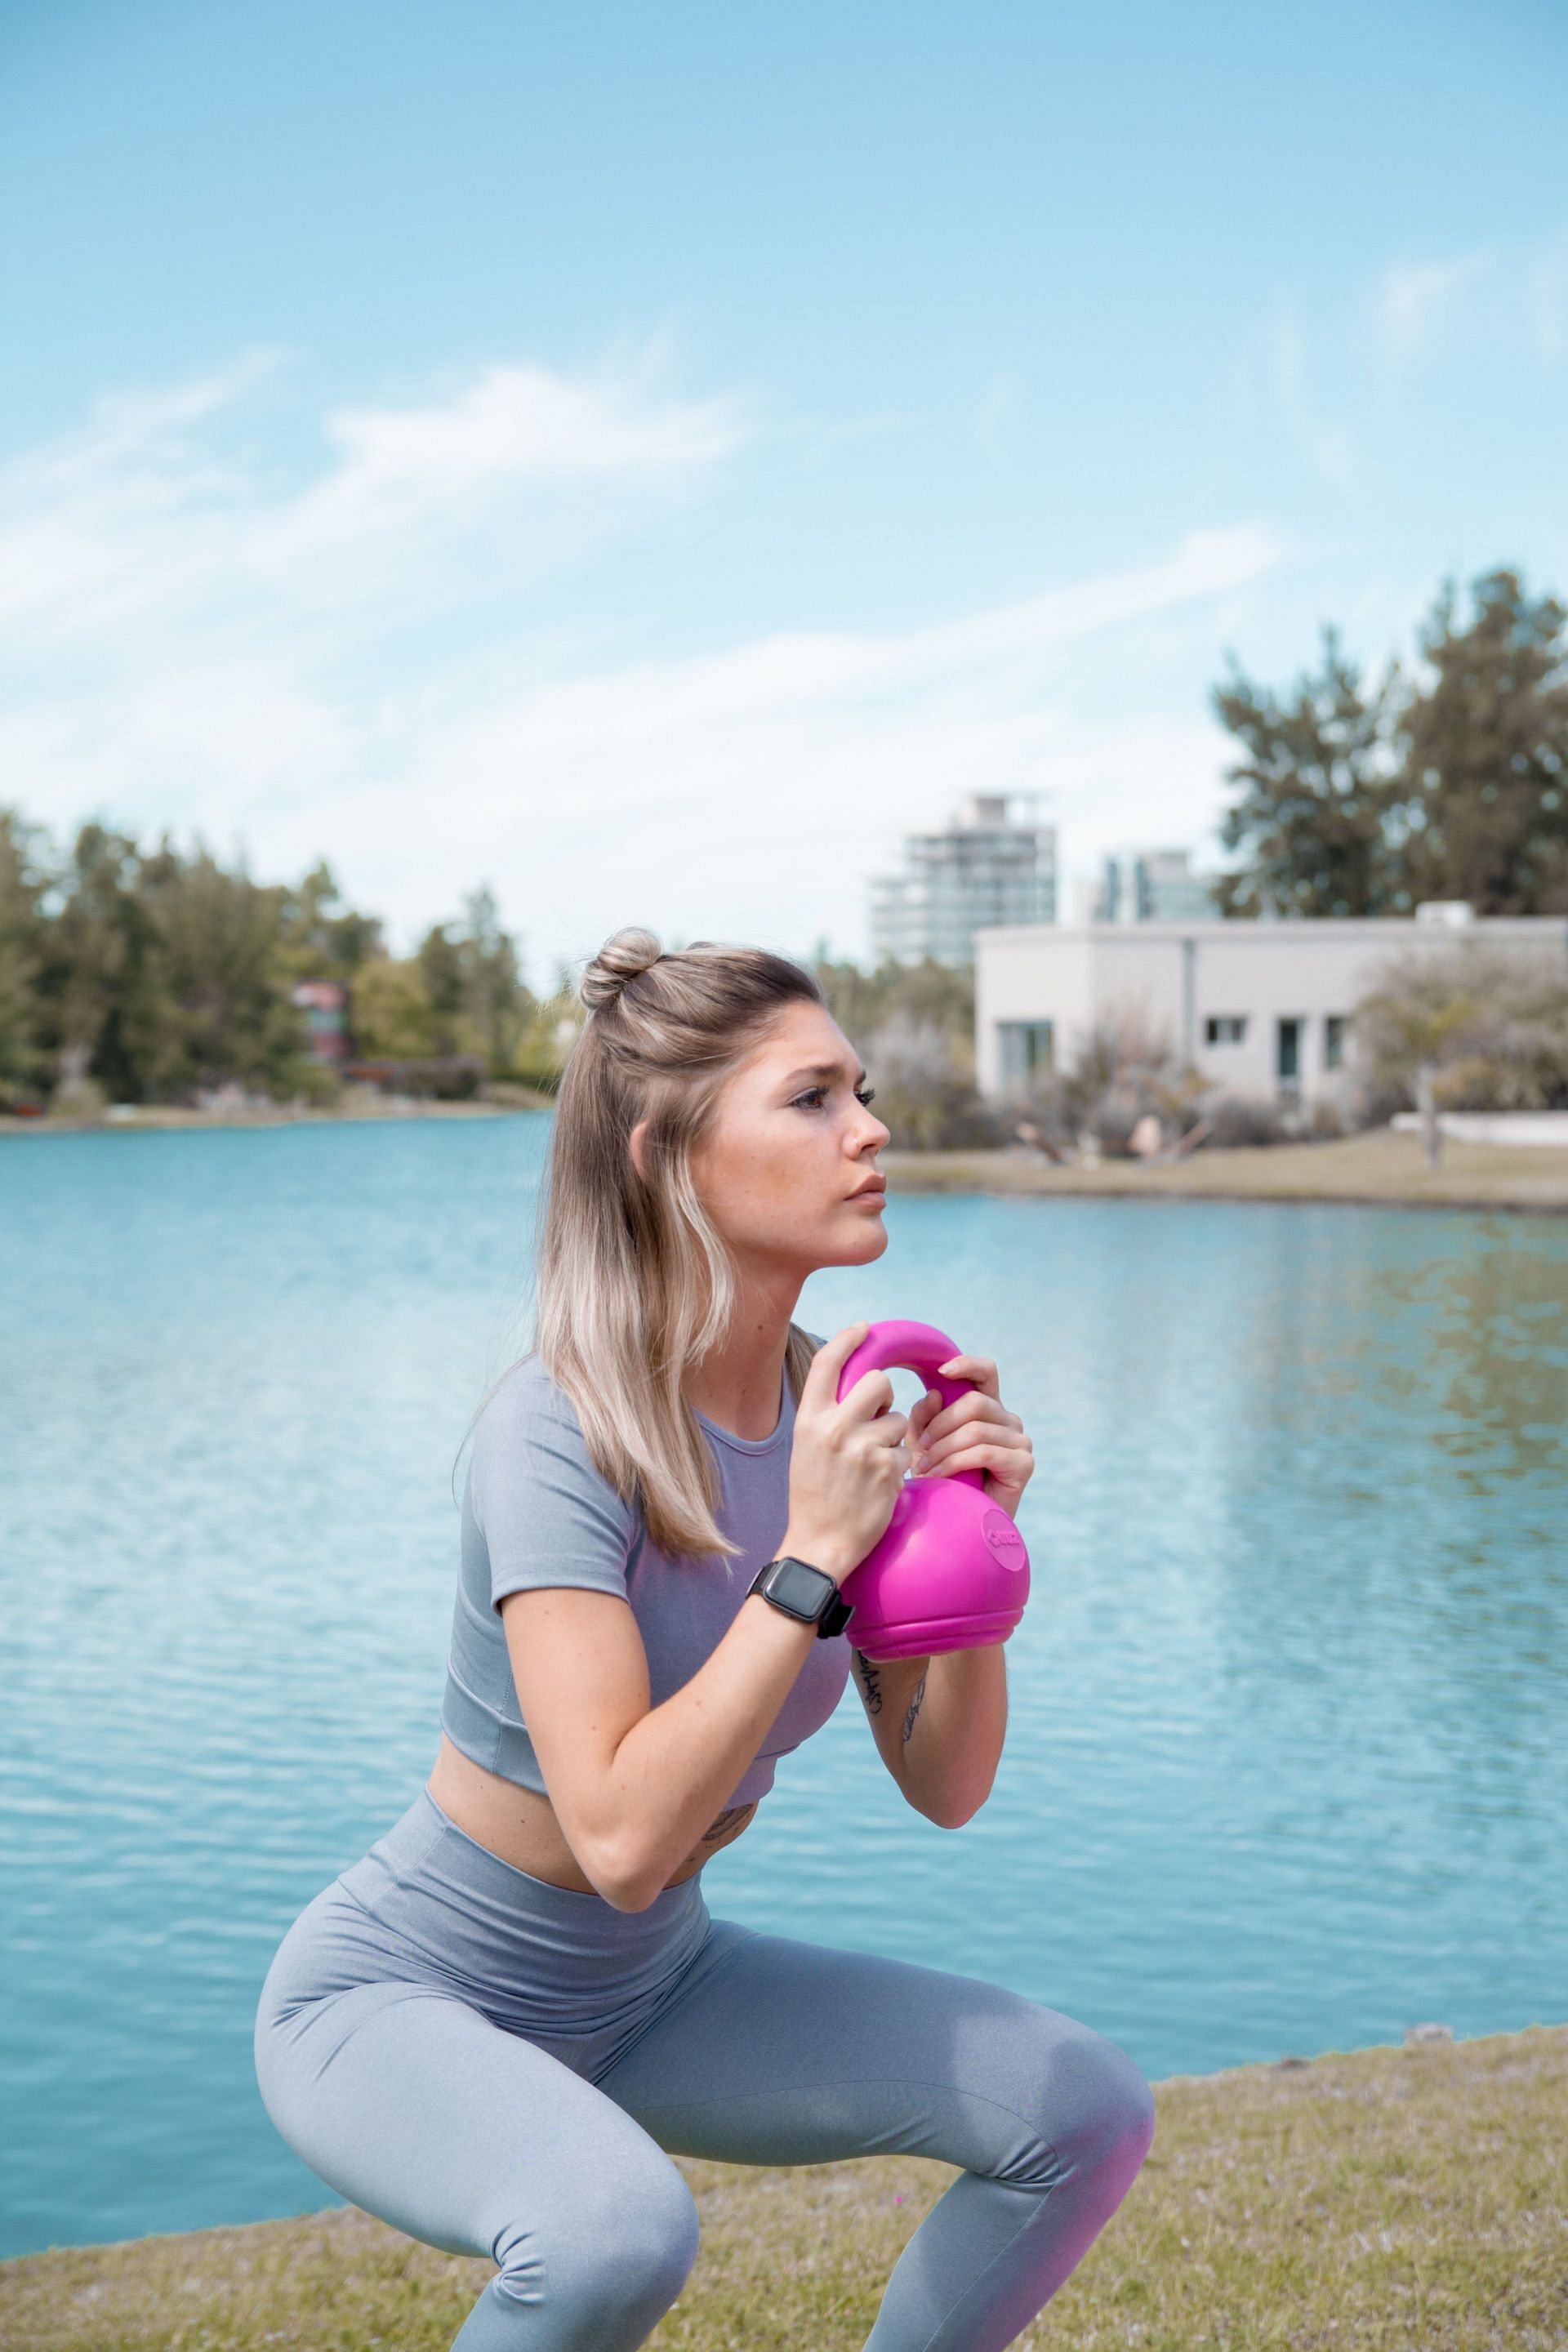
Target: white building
{"type": "Point", "coordinates": [1262, 1008]}
{"type": "Point", "coordinates": [987, 867]}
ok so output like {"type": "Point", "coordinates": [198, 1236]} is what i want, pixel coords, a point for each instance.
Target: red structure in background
{"type": "Point", "coordinates": [325, 1004]}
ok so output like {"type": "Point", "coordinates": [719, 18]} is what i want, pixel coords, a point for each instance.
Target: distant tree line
{"type": "Point", "coordinates": [1365, 799]}
{"type": "Point", "coordinates": [138, 973]}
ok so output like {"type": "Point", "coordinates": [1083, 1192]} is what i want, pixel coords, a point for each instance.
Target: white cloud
{"type": "Point", "coordinates": [142, 514]}
{"type": "Point", "coordinates": [203, 649]}
{"type": "Point", "coordinates": [1413, 299]}
{"type": "Point", "coordinates": [1328, 447]}
{"type": "Point", "coordinates": [514, 427]}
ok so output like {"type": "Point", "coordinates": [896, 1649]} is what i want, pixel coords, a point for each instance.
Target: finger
{"type": "Point", "coordinates": [922, 1414]}
{"type": "Point", "coordinates": [967, 1412]}
{"type": "Point", "coordinates": [831, 1357]}
{"type": "Point", "coordinates": [980, 1369]}
{"type": "Point", "coordinates": [888, 1429]}
{"type": "Point", "coordinates": [1007, 1472]}
{"type": "Point", "coordinates": [870, 1397]}
{"type": "Point", "coordinates": [1014, 1464]}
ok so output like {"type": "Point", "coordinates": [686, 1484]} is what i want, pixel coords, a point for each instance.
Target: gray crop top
{"type": "Point", "coordinates": [536, 1513]}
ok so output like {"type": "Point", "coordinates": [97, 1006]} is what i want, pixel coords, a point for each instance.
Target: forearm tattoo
{"type": "Point", "coordinates": [914, 1708]}
{"type": "Point", "coordinates": [870, 1682]}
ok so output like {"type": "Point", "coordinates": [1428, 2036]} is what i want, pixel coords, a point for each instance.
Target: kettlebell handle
{"type": "Point", "coordinates": [915, 1348]}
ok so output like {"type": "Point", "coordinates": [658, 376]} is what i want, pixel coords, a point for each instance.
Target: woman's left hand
{"type": "Point", "coordinates": [978, 1433]}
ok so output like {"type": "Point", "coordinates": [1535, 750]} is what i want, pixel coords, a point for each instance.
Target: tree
{"type": "Point", "coordinates": [104, 1016]}
{"type": "Point", "coordinates": [470, 977]}
{"type": "Point", "coordinates": [860, 1001]}
{"type": "Point", "coordinates": [393, 1018]}
{"type": "Point", "coordinates": [1470, 1027]}
{"type": "Point", "coordinates": [23, 879]}
{"type": "Point", "coordinates": [1489, 753]}
{"type": "Point", "coordinates": [321, 938]}
{"type": "Point", "coordinates": [494, 997]}
{"type": "Point", "coordinates": [1318, 788]}
{"type": "Point", "coordinates": [223, 982]}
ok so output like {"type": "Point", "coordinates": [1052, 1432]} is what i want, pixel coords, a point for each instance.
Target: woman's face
{"type": "Point", "coordinates": [788, 1170]}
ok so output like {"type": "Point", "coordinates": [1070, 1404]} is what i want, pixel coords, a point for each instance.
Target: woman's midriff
{"type": "Point", "coordinates": [520, 1826]}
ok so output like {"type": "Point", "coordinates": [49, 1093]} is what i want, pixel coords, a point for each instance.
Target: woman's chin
{"type": "Point", "coordinates": [864, 1243]}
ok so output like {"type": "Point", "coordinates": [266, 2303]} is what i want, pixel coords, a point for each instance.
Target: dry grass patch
{"type": "Point", "coordinates": [1389, 2200]}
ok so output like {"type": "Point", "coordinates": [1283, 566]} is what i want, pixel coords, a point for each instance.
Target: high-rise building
{"type": "Point", "coordinates": [1152, 886]}
{"type": "Point", "coordinates": [987, 867]}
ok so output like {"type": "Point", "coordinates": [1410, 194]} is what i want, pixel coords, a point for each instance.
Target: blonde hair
{"type": "Point", "coordinates": [635, 1282]}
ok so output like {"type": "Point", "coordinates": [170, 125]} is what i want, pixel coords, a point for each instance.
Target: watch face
{"type": "Point", "coordinates": [800, 1587]}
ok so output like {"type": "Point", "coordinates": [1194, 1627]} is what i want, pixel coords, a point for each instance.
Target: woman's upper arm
{"type": "Point", "coordinates": [557, 1540]}
{"type": "Point", "coordinates": [580, 1672]}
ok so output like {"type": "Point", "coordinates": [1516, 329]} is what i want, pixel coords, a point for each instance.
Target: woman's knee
{"type": "Point", "coordinates": [1090, 2104]}
{"type": "Point", "coordinates": [625, 2258]}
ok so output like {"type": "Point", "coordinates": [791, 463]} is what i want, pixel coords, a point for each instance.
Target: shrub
{"type": "Point", "coordinates": [1491, 1025]}
{"type": "Point", "coordinates": [925, 1086]}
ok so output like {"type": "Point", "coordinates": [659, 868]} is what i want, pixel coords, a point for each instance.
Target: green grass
{"type": "Point", "coordinates": [1379, 1167]}
{"type": "Point", "coordinates": [1391, 2197]}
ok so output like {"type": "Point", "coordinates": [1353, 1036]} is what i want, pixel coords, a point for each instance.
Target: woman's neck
{"type": "Point", "coordinates": [739, 1384]}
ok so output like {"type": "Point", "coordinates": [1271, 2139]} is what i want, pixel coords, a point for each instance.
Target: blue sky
{"type": "Point", "coordinates": [649, 456]}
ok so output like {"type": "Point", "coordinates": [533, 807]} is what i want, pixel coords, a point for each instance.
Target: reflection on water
{"type": "Point", "coordinates": [1286, 1759]}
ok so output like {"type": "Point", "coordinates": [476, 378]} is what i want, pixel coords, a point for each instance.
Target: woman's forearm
{"type": "Point", "coordinates": [953, 1726]}
{"type": "Point", "coordinates": [678, 1766]}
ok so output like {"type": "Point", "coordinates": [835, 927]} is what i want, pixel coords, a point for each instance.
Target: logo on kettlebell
{"type": "Point", "coordinates": [1003, 1539]}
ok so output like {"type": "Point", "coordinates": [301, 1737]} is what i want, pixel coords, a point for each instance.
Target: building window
{"type": "Point", "coordinates": [1225, 1029]}
{"type": "Point", "coordinates": [1289, 1054]}
{"type": "Point", "coordinates": [1026, 1050]}
{"type": "Point", "coordinates": [1335, 1027]}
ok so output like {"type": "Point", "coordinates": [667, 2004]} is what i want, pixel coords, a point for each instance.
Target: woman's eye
{"type": "Point", "coordinates": [865, 1097]}
{"type": "Point", "coordinates": [813, 1099]}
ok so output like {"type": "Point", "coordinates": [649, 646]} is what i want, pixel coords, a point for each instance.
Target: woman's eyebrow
{"type": "Point", "coordinates": [823, 1070]}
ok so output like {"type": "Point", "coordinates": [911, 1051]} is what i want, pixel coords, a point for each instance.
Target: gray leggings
{"type": "Point", "coordinates": [498, 2066]}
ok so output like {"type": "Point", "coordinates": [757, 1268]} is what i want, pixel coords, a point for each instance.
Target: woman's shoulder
{"type": "Point", "coordinates": [525, 1393]}
{"type": "Point", "coordinates": [543, 1513]}
{"type": "Point", "coordinates": [528, 1425]}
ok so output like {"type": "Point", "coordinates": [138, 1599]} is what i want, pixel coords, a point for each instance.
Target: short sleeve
{"type": "Point", "coordinates": [544, 1515]}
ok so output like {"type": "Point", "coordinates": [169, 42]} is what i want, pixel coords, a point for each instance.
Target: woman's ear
{"type": "Point", "coordinates": [636, 1144]}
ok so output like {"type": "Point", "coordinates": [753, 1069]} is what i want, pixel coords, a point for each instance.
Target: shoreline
{"type": "Point", "coordinates": [1333, 2198]}
{"type": "Point", "coordinates": [151, 1118]}
{"type": "Point", "coordinates": [1379, 1168]}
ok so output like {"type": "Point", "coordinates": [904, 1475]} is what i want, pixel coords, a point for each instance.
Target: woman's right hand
{"type": "Point", "coordinates": [846, 1461]}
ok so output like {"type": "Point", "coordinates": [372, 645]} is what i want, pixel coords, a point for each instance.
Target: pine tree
{"type": "Point", "coordinates": [23, 878]}
{"type": "Point", "coordinates": [1318, 792]}
{"type": "Point", "coordinates": [1488, 754]}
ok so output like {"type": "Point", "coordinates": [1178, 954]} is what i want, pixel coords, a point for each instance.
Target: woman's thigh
{"type": "Point", "coordinates": [791, 2052]}
{"type": "Point", "coordinates": [411, 2103]}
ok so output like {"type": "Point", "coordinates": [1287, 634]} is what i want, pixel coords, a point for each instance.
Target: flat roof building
{"type": "Point", "coordinates": [987, 867]}
{"type": "Point", "coordinates": [1262, 1008]}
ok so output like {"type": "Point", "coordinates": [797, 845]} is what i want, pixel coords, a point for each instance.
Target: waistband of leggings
{"type": "Point", "coordinates": [406, 1850]}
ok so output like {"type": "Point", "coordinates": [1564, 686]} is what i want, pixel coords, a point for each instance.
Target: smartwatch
{"type": "Point", "coordinates": [806, 1593]}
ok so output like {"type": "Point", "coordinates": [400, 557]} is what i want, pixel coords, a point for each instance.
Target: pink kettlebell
{"type": "Point", "coordinates": [951, 1573]}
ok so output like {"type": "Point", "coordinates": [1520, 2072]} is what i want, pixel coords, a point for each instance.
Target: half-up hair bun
{"type": "Point", "coordinates": [620, 960]}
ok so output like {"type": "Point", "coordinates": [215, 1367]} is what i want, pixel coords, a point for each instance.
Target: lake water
{"type": "Point", "coordinates": [1287, 1768]}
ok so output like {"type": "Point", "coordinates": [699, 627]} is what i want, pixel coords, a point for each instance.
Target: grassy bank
{"type": "Point", "coordinates": [1379, 1167]}
{"type": "Point", "coordinates": [1391, 2197]}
